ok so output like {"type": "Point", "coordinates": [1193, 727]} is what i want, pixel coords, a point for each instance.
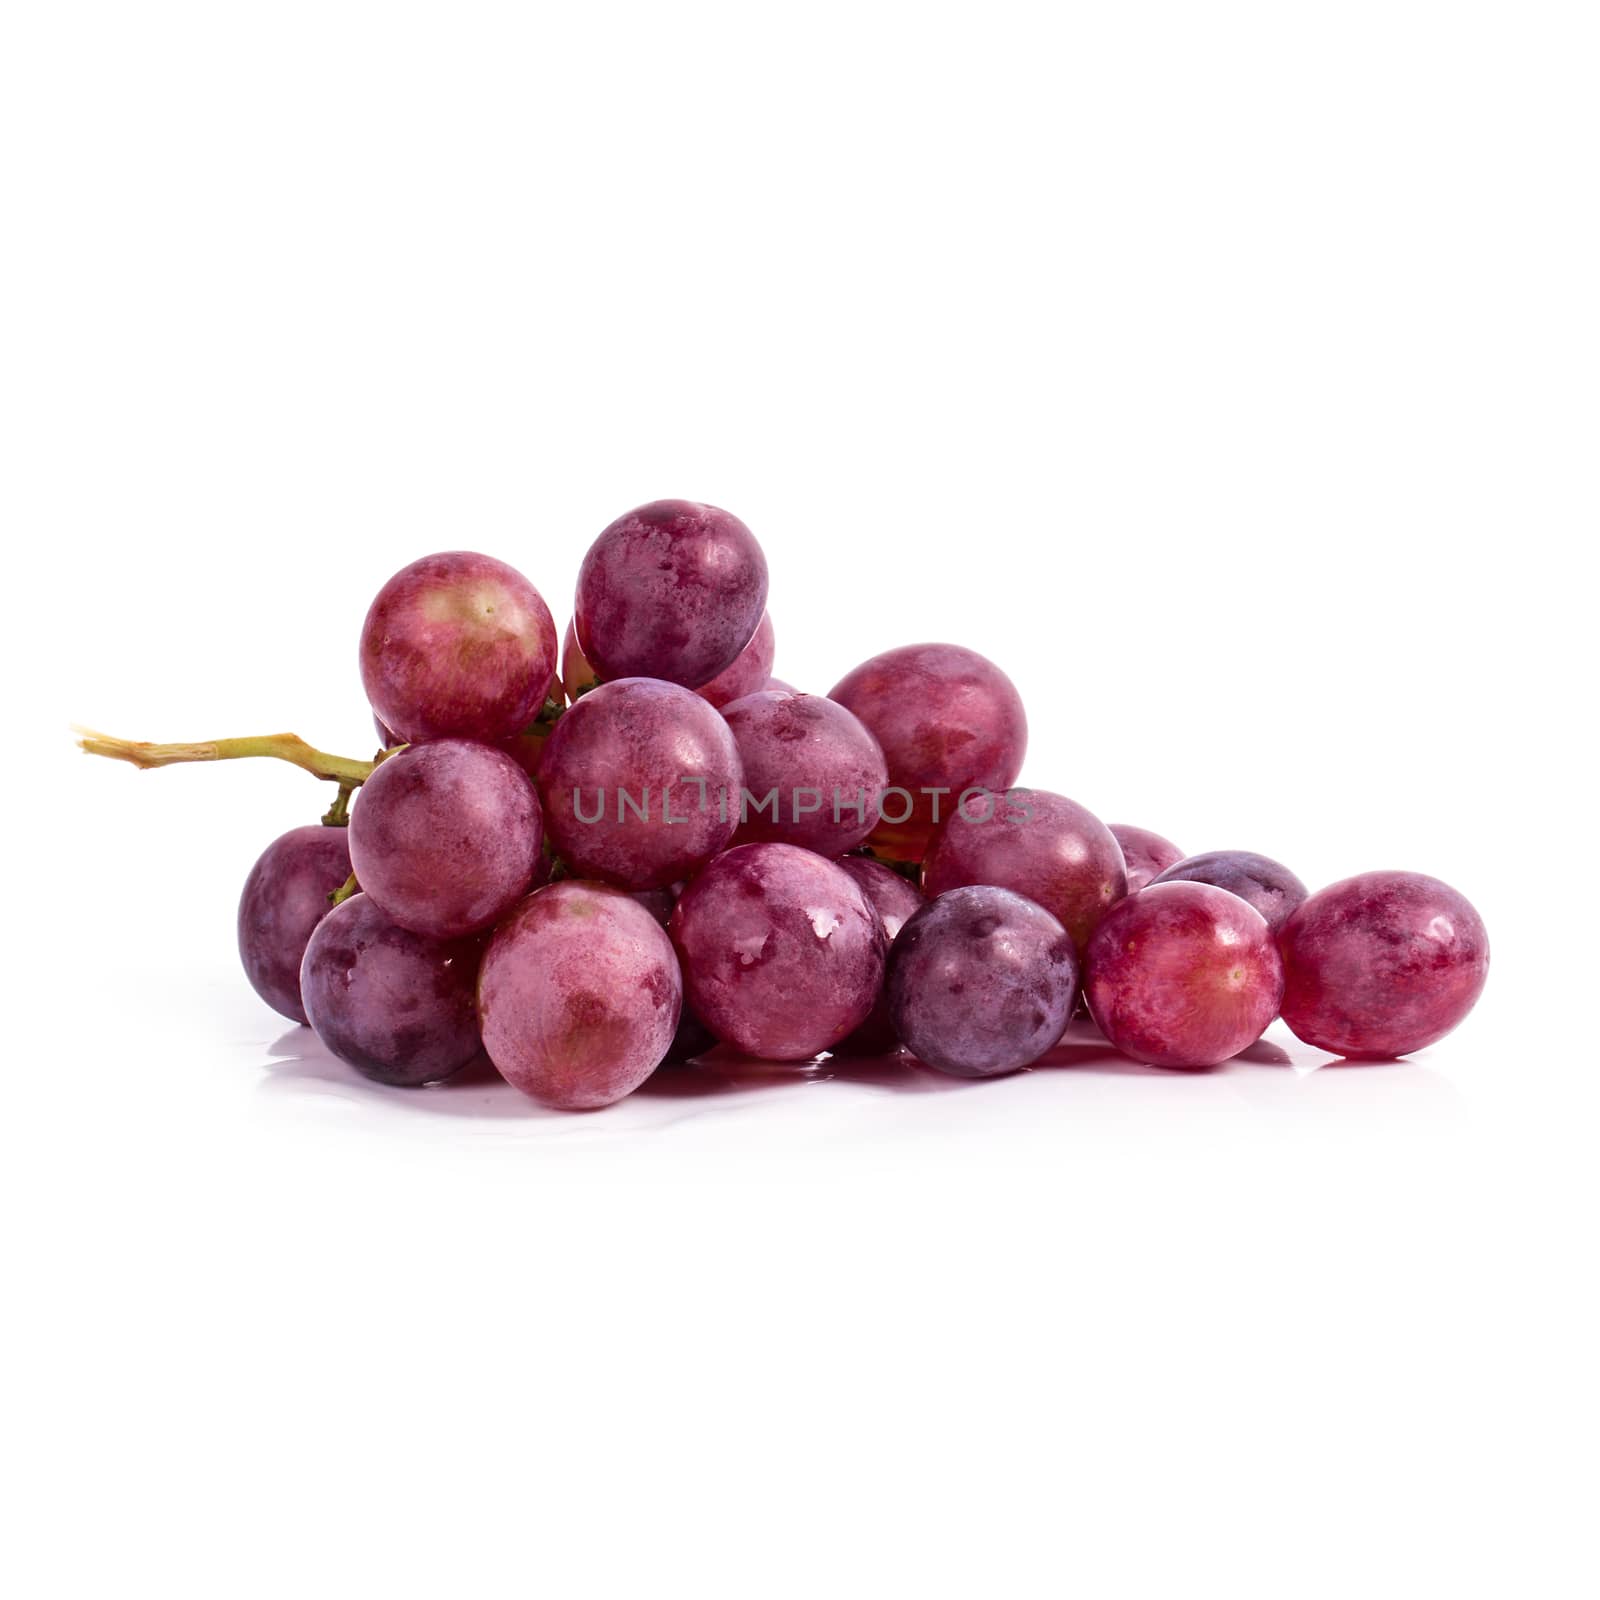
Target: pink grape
{"type": "Point", "coordinates": [896, 900]}
{"type": "Point", "coordinates": [1038, 844]}
{"type": "Point", "coordinates": [579, 996]}
{"type": "Point", "coordinates": [750, 670]}
{"type": "Point", "coordinates": [812, 772]}
{"type": "Point", "coordinates": [1183, 975]}
{"type": "Point", "coordinates": [640, 783]}
{"type": "Point", "coordinates": [782, 955]}
{"type": "Point", "coordinates": [578, 677]}
{"type": "Point", "coordinates": [1382, 964]}
{"type": "Point", "coordinates": [946, 719]}
{"type": "Point", "coordinates": [1145, 853]}
{"type": "Point", "coordinates": [982, 981]}
{"type": "Point", "coordinates": [673, 590]}
{"type": "Point", "coordinates": [285, 897]}
{"type": "Point", "coordinates": [445, 837]}
{"type": "Point", "coordinates": [458, 645]}
{"type": "Point", "coordinates": [1260, 881]}
{"type": "Point", "coordinates": [394, 1005]}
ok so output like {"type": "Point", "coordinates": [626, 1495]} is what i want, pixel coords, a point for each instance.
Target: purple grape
{"type": "Point", "coordinates": [394, 1005]}
{"type": "Point", "coordinates": [673, 590]}
{"type": "Point", "coordinates": [640, 783]}
{"type": "Point", "coordinates": [1145, 853]}
{"type": "Point", "coordinates": [579, 996]}
{"type": "Point", "coordinates": [749, 672]}
{"type": "Point", "coordinates": [285, 897]}
{"type": "Point", "coordinates": [947, 720]}
{"type": "Point", "coordinates": [693, 1037]}
{"type": "Point", "coordinates": [778, 686]}
{"type": "Point", "coordinates": [1382, 964]}
{"type": "Point", "coordinates": [812, 772]}
{"type": "Point", "coordinates": [1183, 975]}
{"type": "Point", "coordinates": [658, 902]}
{"type": "Point", "coordinates": [1259, 881]}
{"type": "Point", "coordinates": [525, 748]}
{"type": "Point", "coordinates": [1037, 844]}
{"type": "Point", "coordinates": [782, 955]}
{"type": "Point", "coordinates": [458, 645]}
{"type": "Point", "coordinates": [896, 900]}
{"type": "Point", "coordinates": [981, 981]}
{"type": "Point", "coordinates": [445, 837]}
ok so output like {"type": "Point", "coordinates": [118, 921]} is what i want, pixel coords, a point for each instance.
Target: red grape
{"type": "Point", "coordinates": [446, 836]}
{"type": "Point", "coordinates": [782, 954]}
{"type": "Point", "coordinates": [577, 675]}
{"type": "Point", "coordinates": [750, 670]}
{"type": "Point", "coordinates": [673, 590]}
{"type": "Point", "coordinates": [1260, 881]}
{"type": "Point", "coordinates": [1183, 975]}
{"type": "Point", "coordinates": [640, 782]}
{"type": "Point", "coordinates": [1038, 844]}
{"type": "Point", "coordinates": [579, 996]}
{"type": "Point", "coordinates": [1144, 852]}
{"type": "Point", "coordinates": [458, 645]}
{"type": "Point", "coordinates": [981, 981]}
{"type": "Point", "coordinates": [1382, 964]}
{"type": "Point", "coordinates": [896, 900]}
{"type": "Point", "coordinates": [285, 897]}
{"type": "Point", "coordinates": [947, 719]}
{"type": "Point", "coordinates": [395, 1005]}
{"type": "Point", "coordinates": [812, 772]}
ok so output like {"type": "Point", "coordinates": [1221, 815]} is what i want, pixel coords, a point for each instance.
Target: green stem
{"type": "Point", "coordinates": [338, 814]}
{"type": "Point", "coordinates": [344, 891]}
{"type": "Point", "coordinates": [280, 746]}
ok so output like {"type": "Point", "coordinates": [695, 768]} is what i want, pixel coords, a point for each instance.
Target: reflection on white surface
{"type": "Point", "coordinates": [1080, 1086]}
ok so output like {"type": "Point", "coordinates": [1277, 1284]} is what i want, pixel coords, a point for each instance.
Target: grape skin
{"type": "Point", "coordinates": [750, 669]}
{"type": "Point", "coordinates": [1183, 975]}
{"type": "Point", "coordinates": [1382, 964]}
{"type": "Point", "coordinates": [673, 590]}
{"type": "Point", "coordinates": [1038, 844]}
{"type": "Point", "coordinates": [579, 996]}
{"type": "Point", "coordinates": [458, 645]}
{"type": "Point", "coordinates": [982, 981]}
{"type": "Point", "coordinates": [782, 955]}
{"type": "Point", "coordinates": [1259, 881]}
{"type": "Point", "coordinates": [945, 718]}
{"type": "Point", "coordinates": [748, 673]}
{"type": "Point", "coordinates": [792, 743]}
{"type": "Point", "coordinates": [284, 898]}
{"type": "Point", "coordinates": [693, 1037]}
{"type": "Point", "coordinates": [651, 741]}
{"type": "Point", "coordinates": [446, 836]}
{"type": "Point", "coordinates": [1144, 853]}
{"type": "Point", "coordinates": [396, 1006]}
{"type": "Point", "coordinates": [896, 900]}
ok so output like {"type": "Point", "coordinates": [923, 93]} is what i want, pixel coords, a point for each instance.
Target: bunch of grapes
{"type": "Point", "coordinates": [590, 861]}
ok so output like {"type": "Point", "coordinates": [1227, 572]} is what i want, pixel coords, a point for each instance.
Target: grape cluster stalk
{"type": "Point", "coordinates": [588, 857]}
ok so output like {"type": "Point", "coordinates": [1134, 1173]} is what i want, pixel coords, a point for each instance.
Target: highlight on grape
{"type": "Point", "coordinates": [590, 857]}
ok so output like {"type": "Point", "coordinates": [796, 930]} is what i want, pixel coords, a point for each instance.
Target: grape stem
{"type": "Point", "coordinates": [338, 814]}
{"type": "Point", "coordinates": [280, 746]}
{"type": "Point", "coordinates": [344, 891]}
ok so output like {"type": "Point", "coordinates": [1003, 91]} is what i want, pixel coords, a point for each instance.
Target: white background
{"type": "Point", "coordinates": [1227, 373]}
